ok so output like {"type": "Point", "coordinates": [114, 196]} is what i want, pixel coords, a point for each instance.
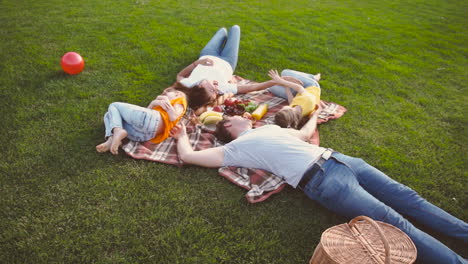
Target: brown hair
{"type": "Point", "coordinates": [222, 133]}
{"type": "Point", "coordinates": [288, 118]}
{"type": "Point", "coordinates": [197, 96]}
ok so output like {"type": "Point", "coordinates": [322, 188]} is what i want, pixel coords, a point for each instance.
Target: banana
{"type": "Point", "coordinates": [206, 114]}
{"type": "Point", "coordinates": [212, 119]}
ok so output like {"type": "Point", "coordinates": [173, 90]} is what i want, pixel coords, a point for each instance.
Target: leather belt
{"type": "Point", "coordinates": [312, 170]}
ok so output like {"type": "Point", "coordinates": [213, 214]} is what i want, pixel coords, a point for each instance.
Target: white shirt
{"type": "Point", "coordinates": [273, 149]}
{"type": "Point", "coordinates": [220, 71]}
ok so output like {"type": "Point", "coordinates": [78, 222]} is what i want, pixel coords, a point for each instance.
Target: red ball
{"type": "Point", "coordinates": [72, 63]}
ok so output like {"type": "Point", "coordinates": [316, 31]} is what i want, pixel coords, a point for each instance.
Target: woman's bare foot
{"type": "Point", "coordinates": [317, 77]}
{"type": "Point", "coordinates": [119, 135]}
{"type": "Point", "coordinates": [104, 147]}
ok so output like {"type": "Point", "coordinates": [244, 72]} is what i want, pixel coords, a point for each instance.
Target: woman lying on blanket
{"type": "Point", "coordinates": [214, 69]}
{"type": "Point", "coordinates": [142, 124]}
{"type": "Point", "coordinates": [305, 101]}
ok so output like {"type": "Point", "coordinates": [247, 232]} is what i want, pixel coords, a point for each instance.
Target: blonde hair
{"type": "Point", "coordinates": [288, 118]}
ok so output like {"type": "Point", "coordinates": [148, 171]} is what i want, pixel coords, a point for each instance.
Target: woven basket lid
{"type": "Point", "coordinates": [364, 240]}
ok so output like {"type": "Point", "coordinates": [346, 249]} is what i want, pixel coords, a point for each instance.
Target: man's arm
{"type": "Point", "coordinates": [211, 158]}
{"type": "Point", "coordinates": [289, 95]}
{"type": "Point", "coordinates": [306, 132]}
{"type": "Point", "coordinates": [247, 88]}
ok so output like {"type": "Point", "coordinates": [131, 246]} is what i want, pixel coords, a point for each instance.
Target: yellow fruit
{"type": "Point", "coordinates": [206, 114]}
{"type": "Point", "coordinates": [212, 119]}
{"type": "Point", "coordinates": [260, 111]}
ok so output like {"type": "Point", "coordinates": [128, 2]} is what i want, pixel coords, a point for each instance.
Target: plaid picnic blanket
{"type": "Point", "coordinates": [259, 183]}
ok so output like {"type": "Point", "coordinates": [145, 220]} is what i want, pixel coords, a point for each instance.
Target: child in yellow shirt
{"type": "Point", "coordinates": [300, 106]}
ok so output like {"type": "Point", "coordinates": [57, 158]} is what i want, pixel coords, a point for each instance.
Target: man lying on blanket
{"type": "Point", "coordinates": [346, 185]}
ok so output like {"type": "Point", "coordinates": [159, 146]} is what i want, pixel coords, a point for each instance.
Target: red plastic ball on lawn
{"type": "Point", "coordinates": [72, 63]}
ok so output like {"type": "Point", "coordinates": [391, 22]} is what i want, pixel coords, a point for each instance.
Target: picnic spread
{"type": "Point", "coordinates": [259, 184]}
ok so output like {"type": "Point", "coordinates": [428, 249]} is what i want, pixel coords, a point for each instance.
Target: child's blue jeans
{"type": "Point", "coordinates": [139, 122]}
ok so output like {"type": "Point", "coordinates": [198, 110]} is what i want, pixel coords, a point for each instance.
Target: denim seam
{"type": "Point", "coordinates": [345, 164]}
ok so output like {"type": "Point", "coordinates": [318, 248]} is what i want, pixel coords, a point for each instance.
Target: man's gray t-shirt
{"type": "Point", "coordinates": [273, 149]}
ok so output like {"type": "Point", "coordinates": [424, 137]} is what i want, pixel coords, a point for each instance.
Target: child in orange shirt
{"type": "Point", "coordinates": [142, 124]}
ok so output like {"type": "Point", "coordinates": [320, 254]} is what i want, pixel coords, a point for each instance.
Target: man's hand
{"type": "Point", "coordinates": [211, 157]}
{"type": "Point", "coordinates": [178, 131]}
{"type": "Point", "coordinates": [308, 130]}
{"type": "Point", "coordinates": [318, 109]}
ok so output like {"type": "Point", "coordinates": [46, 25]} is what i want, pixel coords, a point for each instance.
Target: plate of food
{"type": "Point", "coordinates": [231, 107]}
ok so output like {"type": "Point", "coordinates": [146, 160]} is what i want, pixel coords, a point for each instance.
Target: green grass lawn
{"type": "Point", "coordinates": [400, 67]}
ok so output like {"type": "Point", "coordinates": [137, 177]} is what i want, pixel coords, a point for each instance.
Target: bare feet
{"type": "Point", "coordinates": [119, 135]}
{"type": "Point", "coordinates": [104, 147]}
{"type": "Point", "coordinates": [317, 77]}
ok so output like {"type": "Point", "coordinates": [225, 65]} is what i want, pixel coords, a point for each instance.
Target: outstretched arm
{"type": "Point", "coordinates": [247, 88]}
{"type": "Point", "coordinates": [210, 158]}
{"type": "Point", "coordinates": [279, 80]}
{"type": "Point", "coordinates": [306, 132]}
{"type": "Point", "coordinates": [289, 95]}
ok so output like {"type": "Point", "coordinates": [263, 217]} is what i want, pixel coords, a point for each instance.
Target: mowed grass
{"type": "Point", "coordinates": [400, 67]}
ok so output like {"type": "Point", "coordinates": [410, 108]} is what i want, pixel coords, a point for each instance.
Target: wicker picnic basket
{"type": "Point", "coordinates": [363, 241]}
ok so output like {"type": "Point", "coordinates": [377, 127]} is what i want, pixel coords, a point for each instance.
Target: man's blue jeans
{"type": "Point", "coordinates": [307, 80]}
{"type": "Point", "coordinates": [139, 122]}
{"type": "Point", "coordinates": [350, 187]}
{"type": "Point", "coordinates": [224, 46]}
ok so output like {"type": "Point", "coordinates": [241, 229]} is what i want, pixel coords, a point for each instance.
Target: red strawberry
{"type": "Point", "coordinates": [218, 108]}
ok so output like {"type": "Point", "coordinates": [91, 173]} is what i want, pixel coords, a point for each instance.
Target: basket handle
{"type": "Point", "coordinates": [382, 236]}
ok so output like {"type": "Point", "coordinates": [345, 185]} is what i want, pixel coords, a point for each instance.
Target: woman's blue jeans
{"type": "Point", "coordinates": [224, 46]}
{"type": "Point", "coordinates": [350, 187]}
{"type": "Point", "coordinates": [306, 78]}
{"type": "Point", "coordinates": [139, 122]}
